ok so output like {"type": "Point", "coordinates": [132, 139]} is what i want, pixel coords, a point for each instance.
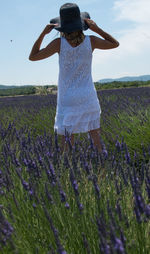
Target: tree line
{"type": "Point", "coordinates": [121, 84]}
{"type": "Point", "coordinates": [48, 89]}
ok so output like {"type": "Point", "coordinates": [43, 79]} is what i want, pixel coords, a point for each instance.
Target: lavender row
{"type": "Point", "coordinates": [71, 186]}
{"type": "Point", "coordinates": [82, 201]}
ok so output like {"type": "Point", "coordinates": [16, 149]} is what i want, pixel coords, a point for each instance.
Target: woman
{"type": "Point", "coordinates": [78, 109]}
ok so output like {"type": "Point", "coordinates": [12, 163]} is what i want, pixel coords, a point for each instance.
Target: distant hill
{"type": "Point", "coordinates": [10, 87]}
{"type": "Point", "coordinates": [6, 87]}
{"type": "Point", "coordinates": [124, 79]}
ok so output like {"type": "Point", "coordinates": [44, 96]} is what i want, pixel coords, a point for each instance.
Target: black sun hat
{"type": "Point", "coordinates": [71, 19]}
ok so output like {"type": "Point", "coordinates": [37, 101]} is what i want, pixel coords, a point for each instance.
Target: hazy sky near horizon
{"type": "Point", "coordinates": [22, 21]}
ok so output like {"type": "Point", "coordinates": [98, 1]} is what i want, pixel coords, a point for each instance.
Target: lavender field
{"type": "Point", "coordinates": [80, 202]}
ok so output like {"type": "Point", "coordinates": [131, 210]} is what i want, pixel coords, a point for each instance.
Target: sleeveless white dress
{"type": "Point", "coordinates": [78, 109]}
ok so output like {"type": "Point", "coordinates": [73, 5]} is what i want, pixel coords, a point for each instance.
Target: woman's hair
{"type": "Point", "coordinates": [76, 37]}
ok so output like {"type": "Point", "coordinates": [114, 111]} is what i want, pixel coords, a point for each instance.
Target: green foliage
{"type": "Point", "coordinates": [48, 89]}
{"type": "Point", "coordinates": [119, 84]}
{"type": "Point", "coordinates": [21, 90]}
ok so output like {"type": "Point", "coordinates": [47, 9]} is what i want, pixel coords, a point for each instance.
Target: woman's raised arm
{"type": "Point", "coordinates": [52, 48]}
{"type": "Point", "coordinates": [108, 43]}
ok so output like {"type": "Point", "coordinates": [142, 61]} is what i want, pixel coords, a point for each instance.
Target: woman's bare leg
{"type": "Point", "coordinates": [95, 135]}
{"type": "Point", "coordinates": [64, 146]}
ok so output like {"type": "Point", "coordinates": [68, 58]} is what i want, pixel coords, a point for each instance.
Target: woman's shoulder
{"type": "Point", "coordinates": [93, 40]}
{"type": "Point", "coordinates": [57, 40]}
{"type": "Point", "coordinates": [56, 43]}
{"type": "Point", "coordinates": [92, 37]}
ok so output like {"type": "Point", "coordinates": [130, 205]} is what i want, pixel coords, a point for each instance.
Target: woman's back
{"type": "Point", "coordinates": [75, 86]}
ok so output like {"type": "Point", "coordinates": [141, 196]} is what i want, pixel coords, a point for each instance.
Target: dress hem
{"type": "Point", "coordinates": [81, 128]}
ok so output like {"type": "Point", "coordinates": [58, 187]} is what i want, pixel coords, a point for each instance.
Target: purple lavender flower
{"type": "Point", "coordinates": [25, 185]}
{"type": "Point", "coordinates": [147, 188]}
{"type": "Point", "coordinates": [63, 196]}
{"type": "Point", "coordinates": [49, 196]}
{"type": "Point", "coordinates": [111, 215]}
{"type": "Point", "coordinates": [102, 227]}
{"type": "Point", "coordinates": [135, 155]}
{"type": "Point", "coordinates": [127, 157]}
{"type": "Point", "coordinates": [1, 192]}
{"type": "Point", "coordinates": [106, 249]}
{"type": "Point", "coordinates": [75, 187]}
{"type": "Point", "coordinates": [40, 159]}
{"type": "Point", "coordinates": [86, 244]}
{"type": "Point", "coordinates": [31, 192]}
{"type": "Point", "coordinates": [138, 214]}
{"type": "Point", "coordinates": [60, 248]}
{"type": "Point", "coordinates": [17, 162]}
{"type": "Point", "coordinates": [105, 153]}
{"type": "Point", "coordinates": [147, 211]}
{"type": "Point", "coordinates": [96, 187]}
{"type": "Point", "coordinates": [86, 166]}
{"type": "Point", "coordinates": [91, 146]}
{"type": "Point", "coordinates": [74, 182]}
{"type": "Point", "coordinates": [139, 202]}
{"type": "Point", "coordinates": [34, 205]}
{"type": "Point", "coordinates": [6, 229]}
{"type": "Point", "coordinates": [122, 237]}
{"type": "Point", "coordinates": [56, 141]}
{"type": "Point", "coordinates": [67, 205]}
{"type": "Point", "coordinates": [118, 246]}
{"type": "Point", "coordinates": [80, 207]}
{"type": "Point", "coordinates": [48, 174]}
{"type": "Point", "coordinates": [118, 146]}
{"type": "Point", "coordinates": [52, 172]}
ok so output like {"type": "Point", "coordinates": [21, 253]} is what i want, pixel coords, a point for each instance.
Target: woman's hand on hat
{"type": "Point", "coordinates": [91, 24]}
{"type": "Point", "coordinates": [49, 28]}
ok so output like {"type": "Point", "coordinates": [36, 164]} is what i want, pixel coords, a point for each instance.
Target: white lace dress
{"type": "Point", "coordinates": [78, 109]}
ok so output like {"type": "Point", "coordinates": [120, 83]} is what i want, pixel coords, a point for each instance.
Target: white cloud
{"type": "Point", "coordinates": [135, 10]}
{"type": "Point", "coordinates": [137, 39]}
{"type": "Point", "coordinates": [134, 39]}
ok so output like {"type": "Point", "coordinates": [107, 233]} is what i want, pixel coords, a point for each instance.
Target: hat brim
{"type": "Point", "coordinates": [72, 26]}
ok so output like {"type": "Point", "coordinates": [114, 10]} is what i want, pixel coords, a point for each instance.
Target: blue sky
{"type": "Point", "coordinates": [22, 21]}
